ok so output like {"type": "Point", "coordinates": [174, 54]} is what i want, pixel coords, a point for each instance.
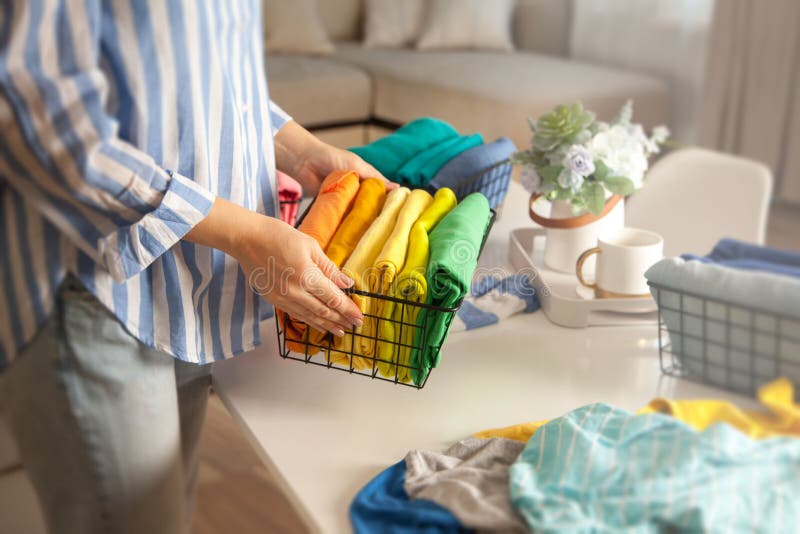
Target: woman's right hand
{"type": "Point", "coordinates": [286, 267]}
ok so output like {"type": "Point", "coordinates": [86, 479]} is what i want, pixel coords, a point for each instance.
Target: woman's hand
{"type": "Point", "coordinates": [286, 267]}
{"type": "Point", "coordinates": [302, 156]}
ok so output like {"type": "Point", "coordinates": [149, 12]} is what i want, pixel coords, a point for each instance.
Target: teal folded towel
{"type": "Point", "coordinates": [390, 153]}
{"type": "Point", "coordinates": [421, 169]}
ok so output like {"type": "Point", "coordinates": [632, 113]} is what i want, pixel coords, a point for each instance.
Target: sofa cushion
{"type": "Point", "coordinates": [318, 91]}
{"type": "Point", "coordinates": [494, 93]}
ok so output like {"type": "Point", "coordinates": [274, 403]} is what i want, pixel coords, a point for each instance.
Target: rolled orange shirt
{"type": "Point", "coordinates": [336, 195]}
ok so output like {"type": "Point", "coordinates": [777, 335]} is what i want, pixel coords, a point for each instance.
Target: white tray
{"type": "Point", "coordinates": [559, 292]}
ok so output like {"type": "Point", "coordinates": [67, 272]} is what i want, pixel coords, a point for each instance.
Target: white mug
{"type": "Point", "coordinates": [623, 256]}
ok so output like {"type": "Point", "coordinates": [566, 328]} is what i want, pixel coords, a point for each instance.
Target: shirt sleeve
{"type": "Point", "coordinates": [278, 117]}
{"type": "Point", "coordinates": [60, 149]}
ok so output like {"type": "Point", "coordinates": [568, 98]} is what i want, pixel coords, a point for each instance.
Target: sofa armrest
{"type": "Point", "coordinates": [543, 26]}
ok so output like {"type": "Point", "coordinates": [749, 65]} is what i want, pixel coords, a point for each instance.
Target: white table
{"type": "Point", "coordinates": [324, 434]}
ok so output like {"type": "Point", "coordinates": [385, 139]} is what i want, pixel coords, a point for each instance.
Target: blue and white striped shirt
{"type": "Point", "coordinates": [120, 122]}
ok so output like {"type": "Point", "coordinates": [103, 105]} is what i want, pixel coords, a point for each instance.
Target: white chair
{"type": "Point", "coordinates": [693, 197]}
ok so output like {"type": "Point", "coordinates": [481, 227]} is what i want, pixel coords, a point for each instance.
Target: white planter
{"type": "Point", "coordinates": [563, 246]}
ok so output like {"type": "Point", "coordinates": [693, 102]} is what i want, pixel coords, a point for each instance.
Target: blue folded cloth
{"type": "Point", "coordinates": [383, 506]}
{"type": "Point", "coordinates": [493, 299]}
{"type": "Point", "coordinates": [740, 255]}
{"type": "Point", "coordinates": [459, 174]}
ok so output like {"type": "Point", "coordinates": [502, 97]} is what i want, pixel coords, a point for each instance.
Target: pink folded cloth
{"type": "Point", "coordinates": [289, 194]}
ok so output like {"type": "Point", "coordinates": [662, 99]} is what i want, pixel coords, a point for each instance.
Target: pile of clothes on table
{"type": "Point", "coordinates": [430, 154]}
{"type": "Point", "coordinates": [409, 246]}
{"type": "Point", "coordinates": [675, 465]}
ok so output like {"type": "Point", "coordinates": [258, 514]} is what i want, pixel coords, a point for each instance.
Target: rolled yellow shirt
{"type": "Point", "coordinates": [411, 285]}
{"type": "Point", "coordinates": [359, 267]}
{"type": "Point", "coordinates": [387, 266]}
{"type": "Point", "coordinates": [365, 209]}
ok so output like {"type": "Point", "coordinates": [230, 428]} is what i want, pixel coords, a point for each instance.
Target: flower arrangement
{"type": "Point", "coordinates": [581, 160]}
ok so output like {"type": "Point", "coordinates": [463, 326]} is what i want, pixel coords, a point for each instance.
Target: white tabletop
{"type": "Point", "coordinates": [324, 434]}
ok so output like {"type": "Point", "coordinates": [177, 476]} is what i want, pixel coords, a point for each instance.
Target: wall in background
{"type": "Point", "coordinates": [664, 38]}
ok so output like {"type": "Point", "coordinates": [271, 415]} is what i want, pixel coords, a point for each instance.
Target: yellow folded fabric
{"type": "Point", "coordinates": [781, 417]}
{"type": "Point", "coordinates": [359, 267]}
{"type": "Point", "coordinates": [365, 208]}
{"type": "Point", "coordinates": [388, 265]}
{"type": "Point", "coordinates": [410, 284]}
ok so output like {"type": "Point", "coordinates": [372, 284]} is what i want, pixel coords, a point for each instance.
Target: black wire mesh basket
{"type": "Point", "coordinates": [724, 344]}
{"type": "Point", "coordinates": [403, 358]}
{"type": "Point", "coordinates": [492, 181]}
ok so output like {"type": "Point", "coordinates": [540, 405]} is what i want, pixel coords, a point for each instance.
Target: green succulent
{"type": "Point", "coordinates": [563, 125]}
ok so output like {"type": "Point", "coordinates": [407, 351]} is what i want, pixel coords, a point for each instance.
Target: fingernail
{"type": "Point", "coordinates": [338, 332]}
{"type": "Point", "coordinates": [347, 281]}
{"type": "Point", "coordinates": [358, 323]}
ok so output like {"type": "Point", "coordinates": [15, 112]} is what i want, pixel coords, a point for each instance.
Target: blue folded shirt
{"type": "Point", "coordinates": [462, 174]}
{"type": "Point", "coordinates": [740, 255]}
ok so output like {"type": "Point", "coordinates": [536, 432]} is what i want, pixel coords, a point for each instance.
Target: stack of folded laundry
{"type": "Point", "coordinates": [733, 316]}
{"type": "Point", "coordinates": [415, 251]}
{"type": "Point", "coordinates": [675, 466]}
{"type": "Point", "coordinates": [429, 153]}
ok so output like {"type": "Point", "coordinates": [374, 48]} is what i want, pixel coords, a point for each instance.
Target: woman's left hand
{"type": "Point", "coordinates": [304, 157]}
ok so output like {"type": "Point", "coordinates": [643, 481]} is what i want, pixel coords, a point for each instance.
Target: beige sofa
{"type": "Point", "coordinates": [489, 92]}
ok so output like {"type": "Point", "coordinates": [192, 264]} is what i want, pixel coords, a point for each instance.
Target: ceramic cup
{"type": "Point", "coordinates": [623, 256]}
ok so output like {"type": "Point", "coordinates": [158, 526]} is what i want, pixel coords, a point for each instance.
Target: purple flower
{"type": "Point", "coordinates": [579, 160]}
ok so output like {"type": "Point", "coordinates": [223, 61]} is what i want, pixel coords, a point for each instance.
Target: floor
{"type": "Point", "coordinates": [235, 493]}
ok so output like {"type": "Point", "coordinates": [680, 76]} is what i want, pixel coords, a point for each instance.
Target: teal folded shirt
{"type": "Point", "coordinates": [390, 153]}
{"type": "Point", "coordinates": [421, 169]}
{"type": "Point", "coordinates": [603, 469]}
{"type": "Point", "coordinates": [455, 245]}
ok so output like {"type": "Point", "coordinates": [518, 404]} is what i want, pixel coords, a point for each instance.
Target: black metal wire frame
{"type": "Point", "coordinates": [492, 181]}
{"type": "Point", "coordinates": [320, 353]}
{"type": "Point", "coordinates": [739, 367]}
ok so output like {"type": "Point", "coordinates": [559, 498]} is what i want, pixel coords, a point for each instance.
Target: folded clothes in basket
{"type": "Point", "coordinates": [388, 154]}
{"type": "Point", "coordinates": [741, 255]}
{"type": "Point", "coordinates": [469, 165]}
{"type": "Point", "coordinates": [455, 244]}
{"type": "Point", "coordinates": [398, 333]}
{"type": "Point", "coordinates": [388, 265]}
{"type": "Point", "coordinates": [336, 194]}
{"type": "Point", "coordinates": [732, 327]}
{"type": "Point", "coordinates": [413, 154]}
{"type": "Point", "coordinates": [359, 267]}
{"type": "Point", "coordinates": [365, 209]}
{"type": "Point", "coordinates": [421, 169]}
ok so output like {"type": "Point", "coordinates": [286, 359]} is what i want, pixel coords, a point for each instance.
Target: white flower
{"type": "Point", "coordinates": [622, 153]}
{"type": "Point", "coordinates": [570, 180]}
{"type": "Point", "coordinates": [660, 134]}
{"type": "Point", "coordinates": [579, 160]}
{"type": "Point", "coordinates": [530, 179]}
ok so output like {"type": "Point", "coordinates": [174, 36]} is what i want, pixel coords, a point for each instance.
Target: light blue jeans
{"type": "Point", "coordinates": [107, 428]}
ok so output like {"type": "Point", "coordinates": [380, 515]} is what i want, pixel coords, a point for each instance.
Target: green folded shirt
{"type": "Point", "coordinates": [390, 153]}
{"type": "Point", "coordinates": [455, 244]}
{"type": "Point", "coordinates": [421, 169]}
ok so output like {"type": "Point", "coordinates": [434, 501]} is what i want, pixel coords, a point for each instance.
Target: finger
{"type": "Point", "coordinates": [330, 270]}
{"type": "Point", "coordinates": [323, 311]}
{"type": "Point", "coordinates": [332, 297]}
{"type": "Point", "coordinates": [301, 313]}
